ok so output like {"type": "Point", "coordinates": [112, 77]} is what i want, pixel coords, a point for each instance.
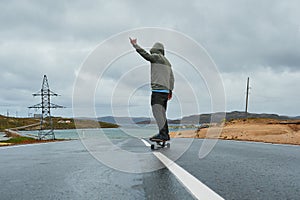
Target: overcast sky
{"type": "Point", "coordinates": [259, 39]}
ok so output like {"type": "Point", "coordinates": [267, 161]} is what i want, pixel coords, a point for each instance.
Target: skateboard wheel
{"type": "Point", "coordinates": [152, 146]}
{"type": "Point", "coordinates": [168, 145]}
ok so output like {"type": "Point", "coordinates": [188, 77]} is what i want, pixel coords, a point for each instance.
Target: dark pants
{"type": "Point", "coordinates": [159, 107]}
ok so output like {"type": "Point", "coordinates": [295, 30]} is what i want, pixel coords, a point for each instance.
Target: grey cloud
{"type": "Point", "coordinates": [249, 33]}
{"type": "Point", "coordinates": [54, 37]}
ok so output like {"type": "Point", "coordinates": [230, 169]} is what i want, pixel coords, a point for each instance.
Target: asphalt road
{"type": "Point", "coordinates": [66, 170]}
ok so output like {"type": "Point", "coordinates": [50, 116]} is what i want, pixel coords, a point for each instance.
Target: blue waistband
{"type": "Point", "coordinates": [161, 91]}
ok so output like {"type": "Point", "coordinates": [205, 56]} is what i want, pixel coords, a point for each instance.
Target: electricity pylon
{"type": "Point", "coordinates": [46, 126]}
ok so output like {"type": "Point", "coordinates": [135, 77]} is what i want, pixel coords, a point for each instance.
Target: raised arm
{"type": "Point", "coordinates": [141, 51]}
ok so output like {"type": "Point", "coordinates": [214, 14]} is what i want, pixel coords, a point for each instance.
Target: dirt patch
{"type": "Point", "coordinates": [259, 130]}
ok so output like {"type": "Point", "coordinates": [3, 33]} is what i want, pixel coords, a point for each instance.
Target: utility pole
{"type": "Point", "coordinates": [46, 126]}
{"type": "Point", "coordinates": [247, 98]}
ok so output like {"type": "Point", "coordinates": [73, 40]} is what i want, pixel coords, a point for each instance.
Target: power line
{"type": "Point", "coordinates": [46, 106]}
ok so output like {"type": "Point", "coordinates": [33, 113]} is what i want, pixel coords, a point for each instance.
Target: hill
{"type": "Point", "coordinates": [123, 120]}
{"type": "Point", "coordinates": [219, 117]}
{"type": "Point", "coordinates": [58, 123]}
{"type": "Point", "coordinates": [206, 118]}
{"type": "Point", "coordinates": [254, 129]}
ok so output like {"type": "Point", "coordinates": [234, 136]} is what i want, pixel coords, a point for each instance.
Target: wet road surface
{"type": "Point", "coordinates": [66, 170]}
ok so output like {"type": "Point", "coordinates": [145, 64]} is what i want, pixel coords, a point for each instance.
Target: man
{"type": "Point", "coordinates": [162, 84]}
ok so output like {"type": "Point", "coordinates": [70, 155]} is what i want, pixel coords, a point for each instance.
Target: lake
{"type": "Point", "coordinates": [123, 132]}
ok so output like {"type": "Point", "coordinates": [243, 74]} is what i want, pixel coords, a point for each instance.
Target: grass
{"type": "Point", "coordinates": [26, 140]}
{"type": "Point", "coordinates": [20, 140]}
{"type": "Point", "coordinates": [58, 123]}
{"type": "Point", "coordinates": [11, 122]}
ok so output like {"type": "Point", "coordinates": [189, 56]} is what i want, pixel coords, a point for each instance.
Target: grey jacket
{"type": "Point", "coordinates": [162, 77]}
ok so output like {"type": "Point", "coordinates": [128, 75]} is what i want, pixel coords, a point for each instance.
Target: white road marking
{"type": "Point", "coordinates": [192, 184]}
{"type": "Point", "coordinates": [30, 145]}
{"type": "Point", "coordinates": [146, 143]}
{"type": "Point", "coordinates": [21, 145]}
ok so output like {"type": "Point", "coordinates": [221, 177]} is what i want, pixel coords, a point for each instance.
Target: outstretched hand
{"type": "Point", "coordinates": [133, 41]}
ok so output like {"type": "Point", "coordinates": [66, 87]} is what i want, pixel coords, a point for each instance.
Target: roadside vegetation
{"type": "Point", "coordinates": [30, 124]}
{"type": "Point", "coordinates": [58, 123]}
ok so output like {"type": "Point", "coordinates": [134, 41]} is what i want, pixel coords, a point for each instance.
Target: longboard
{"type": "Point", "coordinates": [159, 144]}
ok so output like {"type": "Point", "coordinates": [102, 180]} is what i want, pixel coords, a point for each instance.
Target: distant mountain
{"type": "Point", "coordinates": [238, 114]}
{"type": "Point", "coordinates": [206, 118]}
{"type": "Point", "coordinates": [194, 119]}
{"type": "Point", "coordinates": [218, 117]}
{"type": "Point", "coordinates": [297, 117]}
{"type": "Point", "coordinates": [123, 120]}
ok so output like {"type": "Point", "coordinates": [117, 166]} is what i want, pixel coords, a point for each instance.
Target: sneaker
{"type": "Point", "coordinates": [156, 138]}
{"type": "Point", "coordinates": [168, 137]}
{"type": "Point", "coordinates": [159, 138]}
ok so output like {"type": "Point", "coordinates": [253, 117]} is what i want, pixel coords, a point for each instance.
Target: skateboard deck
{"type": "Point", "coordinates": [159, 144]}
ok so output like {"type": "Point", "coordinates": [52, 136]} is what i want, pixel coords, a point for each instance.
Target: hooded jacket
{"type": "Point", "coordinates": [162, 77]}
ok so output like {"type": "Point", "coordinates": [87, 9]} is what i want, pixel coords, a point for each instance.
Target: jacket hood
{"type": "Point", "coordinates": [158, 48]}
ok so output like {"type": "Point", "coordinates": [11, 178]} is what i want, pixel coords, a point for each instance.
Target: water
{"type": "Point", "coordinates": [112, 133]}
{"type": "Point", "coordinates": [124, 132]}
{"type": "Point", "coordinates": [2, 138]}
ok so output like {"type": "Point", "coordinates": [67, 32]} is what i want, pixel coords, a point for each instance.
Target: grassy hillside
{"type": "Point", "coordinates": [11, 122]}
{"type": "Point", "coordinates": [58, 123]}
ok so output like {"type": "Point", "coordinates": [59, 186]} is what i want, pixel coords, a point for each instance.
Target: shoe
{"type": "Point", "coordinates": [160, 138]}
{"type": "Point", "coordinates": [156, 138]}
{"type": "Point", "coordinates": [168, 137]}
